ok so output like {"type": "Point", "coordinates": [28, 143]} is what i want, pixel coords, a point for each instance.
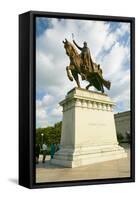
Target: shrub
{"type": "Point", "coordinates": [120, 137]}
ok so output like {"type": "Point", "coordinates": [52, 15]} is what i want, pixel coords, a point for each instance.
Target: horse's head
{"type": "Point", "coordinates": [67, 47]}
{"type": "Point", "coordinates": [70, 50]}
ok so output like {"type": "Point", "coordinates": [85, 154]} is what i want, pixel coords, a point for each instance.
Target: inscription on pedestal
{"type": "Point", "coordinates": [97, 124]}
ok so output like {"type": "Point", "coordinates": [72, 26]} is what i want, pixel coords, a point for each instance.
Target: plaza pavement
{"type": "Point", "coordinates": [47, 172]}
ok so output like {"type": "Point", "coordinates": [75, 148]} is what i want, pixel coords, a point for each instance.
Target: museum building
{"type": "Point", "coordinates": [122, 122]}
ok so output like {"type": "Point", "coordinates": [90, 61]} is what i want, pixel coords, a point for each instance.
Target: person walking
{"type": "Point", "coordinates": [44, 150]}
{"type": "Point", "coordinates": [37, 152]}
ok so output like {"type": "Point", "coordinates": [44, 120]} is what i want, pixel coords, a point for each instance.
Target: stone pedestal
{"type": "Point", "coordinates": [88, 130]}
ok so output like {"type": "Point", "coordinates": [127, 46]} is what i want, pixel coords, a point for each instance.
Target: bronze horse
{"type": "Point", "coordinates": [94, 77]}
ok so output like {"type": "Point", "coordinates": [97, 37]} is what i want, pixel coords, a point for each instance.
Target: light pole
{"type": "Point", "coordinates": [42, 135]}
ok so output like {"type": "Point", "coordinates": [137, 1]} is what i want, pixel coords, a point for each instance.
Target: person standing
{"type": "Point", "coordinates": [44, 150]}
{"type": "Point", "coordinates": [37, 152]}
{"type": "Point", "coordinates": [52, 150]}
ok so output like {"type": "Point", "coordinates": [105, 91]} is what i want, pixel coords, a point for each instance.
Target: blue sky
{"type": "Point", "coordinates": [41, 25]}
{"type": "Point", "coordinates": [109, 43]}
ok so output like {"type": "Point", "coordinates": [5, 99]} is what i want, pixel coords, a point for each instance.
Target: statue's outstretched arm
{"type": "Point", "coordinates": [80, 48]}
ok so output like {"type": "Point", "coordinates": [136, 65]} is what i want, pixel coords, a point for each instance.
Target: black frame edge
{"type": "Point", "coordinates": [24, 96]}
{"type": "Point", "coordinates": [81, 16]}
{"type": "Point", "coordinates": [133, 99]}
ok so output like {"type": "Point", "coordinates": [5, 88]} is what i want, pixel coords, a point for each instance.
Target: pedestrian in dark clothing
{"type": "Point", "coordinates": [52, 150]}
{"type": "Point", "coordinates": [37, 152]}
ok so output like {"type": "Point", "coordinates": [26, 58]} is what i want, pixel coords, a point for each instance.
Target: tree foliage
{"type": "Point", "coordinates": [51, 134]}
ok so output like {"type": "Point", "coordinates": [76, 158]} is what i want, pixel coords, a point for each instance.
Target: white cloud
{"type": "Point", "coordinates": [48, 111]}
{"type": "Point", "coordinates": [51, 61]}
{"type": "Point", "coordinates": [57, 111]}
{"type": "Point", "coordinates": [47, 100]}
{"type": "Point", "coordinates": [41, 115]}
{"type": "Point", "coordinates": [114, 60]}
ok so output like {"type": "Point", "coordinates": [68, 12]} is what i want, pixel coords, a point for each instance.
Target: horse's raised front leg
{"type": "Point", "coordinates": [76, 77]}
{"type": "Point", "coordinates": [69, 74]}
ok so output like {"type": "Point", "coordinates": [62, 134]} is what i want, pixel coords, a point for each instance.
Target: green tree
{"type": "Point", "coordinates": [51, 134]}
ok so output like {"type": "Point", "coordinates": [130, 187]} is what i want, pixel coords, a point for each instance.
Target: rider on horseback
{"type": "Point", "coordinates": [82, 64]}
{"type": "Point", "coordinates": [87, 64]}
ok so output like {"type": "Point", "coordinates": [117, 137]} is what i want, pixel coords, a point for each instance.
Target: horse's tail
{"type": "Point", "coordinates": [107, 84]}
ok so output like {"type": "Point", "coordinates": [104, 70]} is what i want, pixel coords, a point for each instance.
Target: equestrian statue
{"type": "Point", "coordinates": [83, 65]}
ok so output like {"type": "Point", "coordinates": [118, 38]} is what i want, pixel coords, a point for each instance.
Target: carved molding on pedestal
{"type": "Point", "coordinates": [89, 104]}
